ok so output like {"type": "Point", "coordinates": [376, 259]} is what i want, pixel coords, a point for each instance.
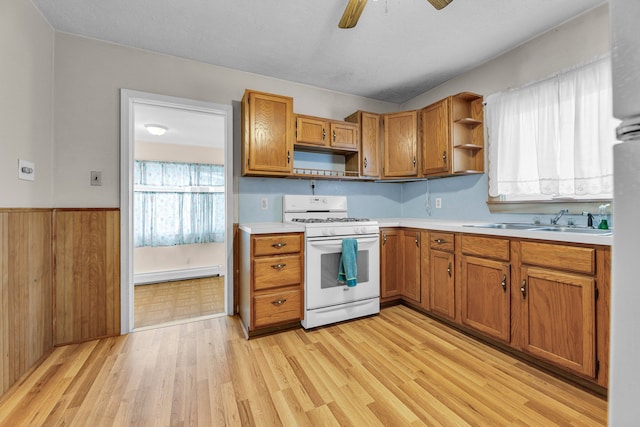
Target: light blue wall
{"type": "Point", "coordinates": [464, 198]}
{"type": "Point", "coordinates": [365, 199]}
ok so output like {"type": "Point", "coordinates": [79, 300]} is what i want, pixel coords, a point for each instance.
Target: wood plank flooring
{"type": "Point", "coordinates": [158, 303]}
{"type": "Point", "coordinates": [399, 368]}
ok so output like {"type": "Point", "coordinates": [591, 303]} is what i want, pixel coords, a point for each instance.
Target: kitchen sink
{"type": "Point", "coordinates": [540, 227]}
{"type": "Point", "coordinates": [577, 230]}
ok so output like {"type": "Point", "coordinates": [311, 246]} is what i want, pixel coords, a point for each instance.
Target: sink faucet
{"type": "Point", "coordinates": [555, 219]}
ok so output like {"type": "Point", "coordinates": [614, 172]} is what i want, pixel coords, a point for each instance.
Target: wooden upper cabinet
{"type": "Point", "coordinates": [452, 137]}
{"type": "Point", "coordinates": [267, 134]}
{"type": "Point", "coordinates": [436, 138]}
{"type": "Point", "coordinates": [312, 131]}
{"type": "Point", "coordinates": [370, 138]}
{"type": "Point", "coordinates": [401, 144]}
{"type": "Point", "coordinates": [323, 133]}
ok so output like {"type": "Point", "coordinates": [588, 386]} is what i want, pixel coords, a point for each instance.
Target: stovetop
{"type": "Point", "coordinates": [327, 220]}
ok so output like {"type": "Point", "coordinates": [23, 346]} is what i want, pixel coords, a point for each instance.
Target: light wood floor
{"type": "Point", "coordinates": [399, 368]}
{"type": "Point", "coordinates": [159, 303]}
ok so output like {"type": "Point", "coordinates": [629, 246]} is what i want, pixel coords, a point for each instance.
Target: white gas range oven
{"type": "Point", "coordinates": [326, 222]}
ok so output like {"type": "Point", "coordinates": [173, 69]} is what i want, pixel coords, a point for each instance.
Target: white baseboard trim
{"type": "Point", "coordinates": [184, 274]}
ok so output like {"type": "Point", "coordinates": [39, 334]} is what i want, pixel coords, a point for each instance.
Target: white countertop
{"type": "Point", "coordinates": [445, 225]}
{"type": "Point", "coordinates": [271, 227]}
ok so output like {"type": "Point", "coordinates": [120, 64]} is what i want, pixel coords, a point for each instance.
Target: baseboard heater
{"type": "Point", "coordinates": [172, 275]}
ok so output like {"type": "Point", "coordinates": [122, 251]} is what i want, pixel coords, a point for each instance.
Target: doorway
{"type": "Point", "coordinates": [176, 209]}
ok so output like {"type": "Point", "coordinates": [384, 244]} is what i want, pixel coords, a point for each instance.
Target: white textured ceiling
{"type": "Point", "coordinates": [184, 127]}
{"type": "Point", "coordinates": [399, 49]}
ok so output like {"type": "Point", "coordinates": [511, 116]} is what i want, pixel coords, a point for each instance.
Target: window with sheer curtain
{"type": "Point", "coordinates": [177, 203]}
{"type": "Point", "coordinates": [553, 139]}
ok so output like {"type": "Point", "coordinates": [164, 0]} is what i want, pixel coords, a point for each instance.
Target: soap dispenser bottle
{"type": "Point", "coordinates": [604, 224]}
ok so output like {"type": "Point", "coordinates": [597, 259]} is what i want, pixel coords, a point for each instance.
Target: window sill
{"type": "Point", "coordinates": [547, 206]}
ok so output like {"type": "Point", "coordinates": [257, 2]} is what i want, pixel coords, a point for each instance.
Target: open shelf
{"type": "Point", "coordinates": [468, 121]}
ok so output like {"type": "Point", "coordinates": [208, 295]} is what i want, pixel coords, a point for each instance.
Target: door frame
{"type": "Point", "coordinates": [128, 98]}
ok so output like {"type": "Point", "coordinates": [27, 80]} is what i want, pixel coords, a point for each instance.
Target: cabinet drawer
{"type": "Point", "coordinates": [486, 247]}
{"type": "Point", "coordinates": [571, 258]}
{"type": "Point", "coordinates": [276, 244]}
{"type": "Point", "coordinates": [272, 272]}
{"type": "Point", "coordinates": [277, 307]}
{"type": "Point", "coordinates": [441, 241]}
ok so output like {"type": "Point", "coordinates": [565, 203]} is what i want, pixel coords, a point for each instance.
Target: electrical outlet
{"type": "Point", "coordinates": [438, 202]}
{"type": "Point", "coordinates": [264, 203]}
{"type": "Point", "coordinates": [26, 170]}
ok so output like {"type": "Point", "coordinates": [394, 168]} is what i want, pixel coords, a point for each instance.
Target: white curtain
{"type": "Point", "coordinates": [167, 210]}
{"type": "Point", "coordinates": [554, 138]}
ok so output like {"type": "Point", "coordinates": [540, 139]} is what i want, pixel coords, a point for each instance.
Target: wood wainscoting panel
{"type": "Point", "coordinates": [25, 291]}
{"type": "Point", "coordinates": [86, 243]}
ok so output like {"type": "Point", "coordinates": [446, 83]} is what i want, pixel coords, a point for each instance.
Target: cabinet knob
{"type": "Point", "coordinates": [504, 283]}
{"type": "Point", "coordinates": [444, 157]}
{"type": "Point", "coordinates": [449, 269]}
{"type": "Point", "coordinates": [278, 266]}
{"type": "Point", "coordinates": [523, 288]}
{"type": "Point", "coordinates": [324, 133]}
{"type": "Point", "coordinates": [334, 136]}
{"type": "Point", "coordinates": [384, 238]}
{"type": "Point", "coordinates": [365, 162]}
{"type": "Point", "coordinates": [414, 161]}
{"type": "Point", "coordinates": [279, 245]}
{"type": "Point", "coordinates": [440, 241]}
{"type": "Point", "coordinates": [279, 301]}
{"type": "Point", "coordinates": [417, 241]}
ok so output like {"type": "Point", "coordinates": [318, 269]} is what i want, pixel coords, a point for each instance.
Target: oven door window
{"type": "Point", "coordinates": [329, 264]}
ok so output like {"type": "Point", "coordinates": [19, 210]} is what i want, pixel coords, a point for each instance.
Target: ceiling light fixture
{"type": "Point", "coordinates": [157, 130]}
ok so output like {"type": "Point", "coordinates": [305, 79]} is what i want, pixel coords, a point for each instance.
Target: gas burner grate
{"type": "Point", "coordinates": [326, 220]}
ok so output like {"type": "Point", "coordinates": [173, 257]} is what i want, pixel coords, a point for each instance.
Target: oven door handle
{"type": "Point", "coordinates": [338, 241]}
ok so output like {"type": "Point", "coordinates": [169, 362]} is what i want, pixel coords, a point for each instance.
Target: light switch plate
{"type": "Point", "coordinates": [26, 170]}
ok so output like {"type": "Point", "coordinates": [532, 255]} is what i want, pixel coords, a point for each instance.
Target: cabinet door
{"type": "Point", "coordinates": [401, 144]}
{"type": "Point", "coordinates": [344, 135]}
{"type": "Point", "coordinates": [559, 318]}
{"type": "Point", "coordinates": [370, 145]}
{"type": "Point", "coordinates": [486, 296]}
{"type": "Point", "coordinates": [411, 265]}
{"type": "Point", "coordinates": [390, 263]}
{"type": "Point", "coordinates": [436, 138]}
{"type": "Point", "coordinates": [268, 134]}
{"type": "Point", "coordinates": [442, 290]}
{"type": "Point", "coordinates": [312, 131]}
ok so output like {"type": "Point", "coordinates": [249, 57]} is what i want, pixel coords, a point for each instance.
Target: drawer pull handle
{"type": "Point", "coordinates": [279, 301]}
{"type": "Point", "coordinates": [523, 289]}
{"type": "Point", "coordinates": [278, 266]}
{"type": "Point", "coordinates": [449, 269]}
{"type": "Point", "coordinates": [504, 283]}
{"type": "Point", "coordinates": [440, 241]}
{"type": "Point", "coordinates": [279, 245]}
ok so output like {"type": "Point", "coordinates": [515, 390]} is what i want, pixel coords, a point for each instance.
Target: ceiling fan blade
{"type": "Point", "coordinates": [440, 4]}
{"type": "Point", "coordinates": [352, 13]}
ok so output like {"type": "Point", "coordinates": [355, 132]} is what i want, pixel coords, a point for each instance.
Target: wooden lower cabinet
{"type": "Point", "coordinates": [410, 287]}
{"type": "Point", "coordinates": [442, 284]}
{"type": "Point", "coordinates": [400, 264]}
{"type": "Point", "coordinates": [390, 263]}
{"type": "Point", "coordinates": [549, 300]}
{"type": "Point", "coordinates": [486, 296]}
{"type": "Point", "coordinates": [271, 280]}
{"type": "Point", "coordinates": [558, 292]}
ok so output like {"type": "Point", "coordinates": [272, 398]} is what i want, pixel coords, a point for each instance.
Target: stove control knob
{"type": "Point", "coordinates": [333, 231]}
